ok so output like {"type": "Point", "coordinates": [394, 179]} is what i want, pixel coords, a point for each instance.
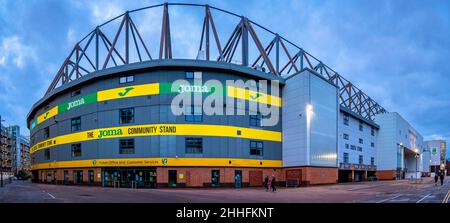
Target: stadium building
{"type": "Point", "coordinates": [108, 117]}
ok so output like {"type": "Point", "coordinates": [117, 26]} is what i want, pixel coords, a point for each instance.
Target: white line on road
{"type": "Point", "coordinates": [388, 199]}
{"type": "Point", "coordinates": [423, 198]}
{"type": "Point", "coordinates": [49, 194]}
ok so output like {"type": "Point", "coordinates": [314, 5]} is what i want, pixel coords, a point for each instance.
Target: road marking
{"type": "Point", "coordinates": [49, 194]}
{"type": "Point", "coordinates": [423, 198]}
{"type": "Point", "coordinates": [388, 199]}
{"type": "Point", "coordinates": [447, 196]}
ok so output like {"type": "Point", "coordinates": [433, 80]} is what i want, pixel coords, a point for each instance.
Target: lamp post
{"type": "Point", "coordinates": [417, 157]}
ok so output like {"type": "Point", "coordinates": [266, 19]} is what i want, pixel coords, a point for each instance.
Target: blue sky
{"type": "Point", "coordinates": [395, 51]}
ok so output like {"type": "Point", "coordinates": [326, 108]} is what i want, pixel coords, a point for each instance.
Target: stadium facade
{"type": "Point", "coordinates": [108, 120]}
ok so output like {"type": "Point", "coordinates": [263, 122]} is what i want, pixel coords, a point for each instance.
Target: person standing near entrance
{"type": "Point", "coordinates": [436, 178]}
{"type": "Point", "coordinates": [266, 183]}
{"type": "Point", "coordinates": [442, 178]}
{"type": "Point", "coordinates": [273, 184]}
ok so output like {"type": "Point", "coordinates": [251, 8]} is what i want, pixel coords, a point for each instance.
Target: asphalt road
{"type": "Point", "coordinates": [365, 192]}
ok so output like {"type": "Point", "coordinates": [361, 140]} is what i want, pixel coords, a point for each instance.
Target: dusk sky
{"type": "Point", "coordinates": [397, 52]}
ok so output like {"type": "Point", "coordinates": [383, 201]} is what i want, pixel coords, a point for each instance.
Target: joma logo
{"type": "Point", "coordinates": [111, 132]}
{"type": "Point", "coordinates": [75, 103]}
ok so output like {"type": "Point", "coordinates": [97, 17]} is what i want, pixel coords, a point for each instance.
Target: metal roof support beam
{"type": "Point", "coordinates": [113, 45]}
{"type": "Point", "coordinates": [260, 47]}
{"type": "Point", "coordinates": [244, 42]}
{"type": "Point", "coordinates": [165, 50]}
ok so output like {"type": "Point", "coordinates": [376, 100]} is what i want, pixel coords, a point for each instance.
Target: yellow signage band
{"type": "Point", "coordinates": [156, 89]}
{"type": "Point", "coordinates": [161, 162]}
{"type": "Point", "coordinates": [159, 130]}
{"type": "Point", "coordinates": [255, 96]}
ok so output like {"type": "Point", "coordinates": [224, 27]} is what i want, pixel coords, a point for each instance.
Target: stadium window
{"type": "Point", "coordinates": [47, 154]}
{"type": "Point", "coordinates": [360, 159]}
{"type": "Point", "coordinates": [194, 114]}
{"type": "Point", "coordinates": [372, 161]}
{"type": "Point", "coordinates": [75, 124]}
{"type": "Point", "coordinates": [194, 145]}
{"type": "Point", "coordinates": [372, 144]}
{"type": "Point", "coordinates": [372, 132]}
{"type": "Point", "coordinates": [75, 93]}
{"type": "Point", "coordinates": [360, 126]}
{"type": "Point", "coordinates": [76, 150]}
{"type": "Point", "coordinates": [47, 132]}
{"type": "Point", "coordinates": [345, 157]}
{"type": "Point", "coordinates": [361, 141]}
{"type": "Point", "coordinates": [126, 146]}
{"type": "Point", "coordinates": [255, 120]}
{"type": "Point", "coordinates": [256, 148]}
{"type": "Point", "coordinates": [353, 147]}
{"type": "Point", "coordinates": [359, 148]}
{"type": "Point", "coordinates": [126, 79]}
{"type": "Point", "coordinates": [193, 75]}
{"type": "Point", "coordinates": [347, 146]}
{"type": "Point", "coordinates": [346, 136]}
{"type": "Point", "coordinates": [346, 119]}
{"type": "Point", "coordinates": [126, 115]}
{"type": "Point", "coordinates": [189, 75]}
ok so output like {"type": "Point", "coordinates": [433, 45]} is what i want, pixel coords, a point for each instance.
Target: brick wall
{"type": "Point", "coordinates": [386, 174]}
{"type": "Point", "coordinates": [201, 176]}
{"type": "Point", "coordinates": [316, 175]}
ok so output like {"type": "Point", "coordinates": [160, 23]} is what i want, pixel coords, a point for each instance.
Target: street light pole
{"type": "Point", "coordinates": [417, 157]}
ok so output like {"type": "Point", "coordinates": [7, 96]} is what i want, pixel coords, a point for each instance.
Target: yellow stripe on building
{"type": "Point", "coordinates": [50, 113]}
{"type": "Point", "coordinates": [158, 130]}
{"type": "Point", "coordinates": [249, 95]}
{"type": "Point", "coordinates": [133, 162]}
{"type": "Point", "coordinates": [129, 91]}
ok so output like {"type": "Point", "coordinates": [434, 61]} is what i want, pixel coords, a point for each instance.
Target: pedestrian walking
{"type": "Point", "coordinates": [269, 185]}
{"type": "Point", "coordinates": [266, 183]}
{"type": "Point", "coordinates": [436, 178]}
{"type": "Point", "coordinates": [442, 179]}
{"type": "Point", "coordinates": [273, 184]}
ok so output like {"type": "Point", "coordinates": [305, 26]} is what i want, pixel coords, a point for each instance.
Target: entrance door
{"type": "Point", "coordinates": [66, 177]}
{"type": "Point", "coordinates": [172, 178]}
{"type": "Point", "coordinates": [256, 178]}
{"type": "Point", "coordinates": [238, 178]}
{"type": "Point", "coordinates": [215, 178]}
{"type": "Point", "coordinates": [127, 177]}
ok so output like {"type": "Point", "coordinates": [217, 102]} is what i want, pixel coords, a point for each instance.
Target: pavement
{"type": "Point", "coordinates": [402, 191]}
